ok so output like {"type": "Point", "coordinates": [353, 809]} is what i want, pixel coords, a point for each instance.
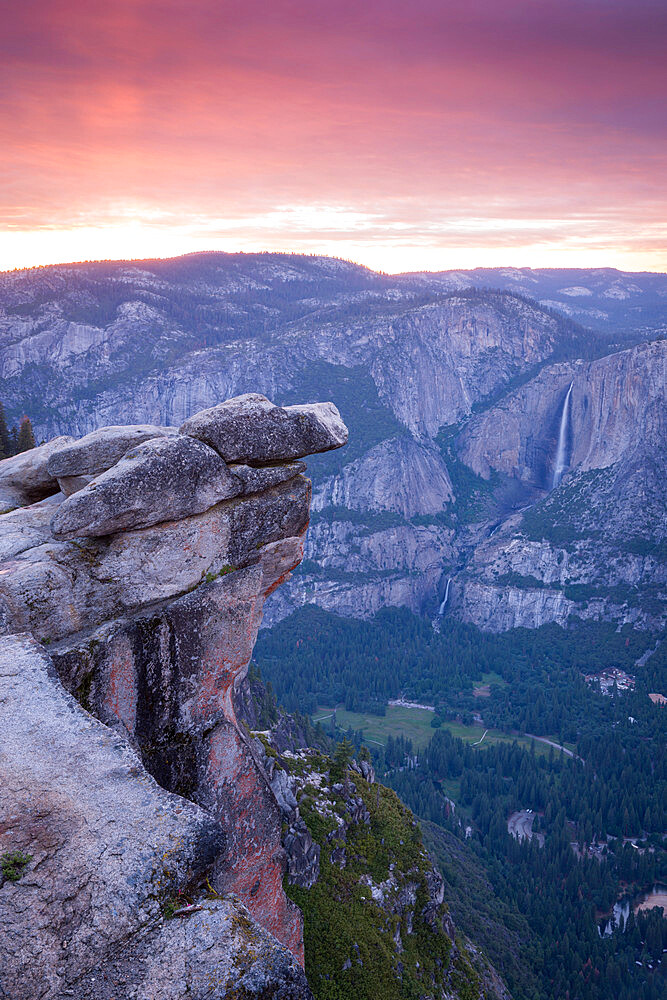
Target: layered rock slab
{"type": "Point", "coordinates": [164, 479]}
{"type": "Point", "coordinates": [25, 478]}
{"type": "Point", "coordinates": [250, 429]}
{"type": "Point", "coordinates": [107, 848]}
{"type": "Point", "coordinates": [98, 451]}
{"type": "Point", "coordinates": [57, 588]}
{"type": "Point", "coordinates": [255, 480]}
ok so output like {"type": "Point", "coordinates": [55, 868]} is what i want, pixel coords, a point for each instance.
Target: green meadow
{"type": "Point", "coordinates": [415, 724]}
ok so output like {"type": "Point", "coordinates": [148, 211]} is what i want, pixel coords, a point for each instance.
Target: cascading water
{"type": "Point", "coordinates": [561, 465]}
{"type": "Point", "coordinates": [446, 597]}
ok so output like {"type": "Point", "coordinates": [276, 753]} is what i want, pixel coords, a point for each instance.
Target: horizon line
{"type": "Point", "coordinates": [312, 256]}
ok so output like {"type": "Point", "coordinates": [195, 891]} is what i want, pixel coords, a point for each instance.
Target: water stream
{"type": "Point", "coordinates": [561, 463]}
{"type": "Point", "coordinates": [446, 597]}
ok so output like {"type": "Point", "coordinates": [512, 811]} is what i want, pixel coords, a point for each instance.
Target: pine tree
{"type": "Point", "coordinates": [26, 439]}
{"type": "Point", "coordinates": [342, 758]}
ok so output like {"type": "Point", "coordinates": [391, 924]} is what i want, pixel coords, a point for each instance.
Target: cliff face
{"type": "Point", "coordinates": [594, 546]}
{"type": "Point", "coordinates": [616, 408]}
{"type": "Point", "coordinates": [150, 626]}
{"type": "Point", "coordinates": [440, 381]}
{"type": "Point", "coordinates": [429, 364]}
{"type": "Point", "coordinates": [106, 855]}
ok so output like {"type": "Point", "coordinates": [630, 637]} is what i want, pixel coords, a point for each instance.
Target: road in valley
{"type": "Point", "coordinates": [520, 826]}
{"type": "Point", "coordinates": [556, 746]}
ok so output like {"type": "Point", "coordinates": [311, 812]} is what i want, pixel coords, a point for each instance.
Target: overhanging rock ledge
{"type": "Point", "coordinates": [129, 609]}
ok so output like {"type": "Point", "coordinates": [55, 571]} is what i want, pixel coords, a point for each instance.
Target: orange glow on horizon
{"type": "Point", "coordinates": [137, 242]}
{"type": "Point", "coordinates": [432, 137]}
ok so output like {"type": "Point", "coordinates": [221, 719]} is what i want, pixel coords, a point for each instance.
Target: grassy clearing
{"type": "Point", "coordinates": [491, 678]}
{"type": "Point", "coordinates": [472, 734]}
{"type": "Point", "coordinates": [482, 689]}
{"type": "Point", "coordinates": [413, 723]}
{"type": "Point", "coordinates": [451, 787]}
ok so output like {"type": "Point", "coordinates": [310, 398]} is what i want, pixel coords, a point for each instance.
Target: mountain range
{"type": "Point", "coordinates": [458, 388]}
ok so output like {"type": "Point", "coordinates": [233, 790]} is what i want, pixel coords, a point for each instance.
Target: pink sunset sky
{"type": "Point", "coordinates": [401, 135]}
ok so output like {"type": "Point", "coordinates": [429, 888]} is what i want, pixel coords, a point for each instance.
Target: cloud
{"type": "Point", "coordinates": [424, 122]}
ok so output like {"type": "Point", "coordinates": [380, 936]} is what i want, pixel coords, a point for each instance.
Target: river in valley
{"type": "Point", "coordinates": [644, 901]}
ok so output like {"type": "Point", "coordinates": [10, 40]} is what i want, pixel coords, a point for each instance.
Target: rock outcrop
{"type": "Point", "coordinates": [165, 479]}
{"type": "Point", "coordinates": [146, 589]}
{"type": "Point", "coordinates": [25, 478]}
{"type": "Point", "coordinates": [108, 855]}
{"type": "Point", "coordinates": [98, 451]}
{"type": "Point", "coordinates": [252, 430]}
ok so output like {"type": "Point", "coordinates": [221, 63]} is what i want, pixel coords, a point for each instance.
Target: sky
{"type": "Point", "coordinates": [433, 134]}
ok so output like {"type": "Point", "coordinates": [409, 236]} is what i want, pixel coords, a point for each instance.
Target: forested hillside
{"type": "Point", "coordinates": [591, 816]}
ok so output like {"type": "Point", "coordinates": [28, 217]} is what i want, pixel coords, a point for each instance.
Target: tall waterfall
{"type": "Point", "coordinates": [560, 466]}
{"type": "Point", "coordinates": [445, 598]}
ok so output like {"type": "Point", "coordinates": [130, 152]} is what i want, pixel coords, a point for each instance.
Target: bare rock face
{"type": "Point", "coordinates": [98, 451]}
{"type": "Point", "coordinates": [591, 547]}
{"type": "Point", "coordinates": [251, 429]}
{"type": "Point", "coordinates": [58, 588]}
{"type": "Point", "coordinates": [255, 480]}
{"type": "Point", "coordinates": [399, 475]}
{"type": "Point", "coordinates": [618, 403]}
{"type": "Point", "coordinates": [151, 628]}
{"type": "Point", "coordinates": [108, 853]}
{"type": "Point", "coordinates": [214, 952]}
{"type": "Point", "coordinates": [72, 484]}
{"type": "Point", "coordinates": [163, 479]}
{"type": "Point", "coordinates": [25, 478]}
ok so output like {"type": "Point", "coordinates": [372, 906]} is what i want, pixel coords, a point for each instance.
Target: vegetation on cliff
{"type": "Point", "coordinates": [17, 439]}
{"type": "Point", "coordinates": [374, 923]}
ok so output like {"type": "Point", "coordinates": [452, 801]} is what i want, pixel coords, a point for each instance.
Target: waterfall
{"type": "Point", "coordinates": [561, 465]}
{"type": "Point", "coordinates": [444, 600]}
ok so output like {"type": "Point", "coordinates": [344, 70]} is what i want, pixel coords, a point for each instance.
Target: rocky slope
{"type": "Point", "coordinates": [595, 545]}
{"type": "Point", "coordinates": [373, 903]}
{"type": "Point", "coordinates": [453, 395]}
{"type": "Point", "coordinates": [146, 586]}
{"type": "Point", "coordinates": [626, 304]}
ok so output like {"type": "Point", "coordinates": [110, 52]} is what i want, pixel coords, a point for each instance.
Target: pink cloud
{"type": "Point", "coordinates": [554, 109]}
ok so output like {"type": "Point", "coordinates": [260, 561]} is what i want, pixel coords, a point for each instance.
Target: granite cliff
{"type": "Point", "coordinates": [594, 543]}
{"type": "Point", "coordinates": [131, 795]}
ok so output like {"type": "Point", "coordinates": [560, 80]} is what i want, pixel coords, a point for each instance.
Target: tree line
{"type": "Point", "coordinates": [559, 890]}
{"type": "Point", "coordinates": [14, 440]}
{"type": "Point", "coordinates": [584, 811]}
